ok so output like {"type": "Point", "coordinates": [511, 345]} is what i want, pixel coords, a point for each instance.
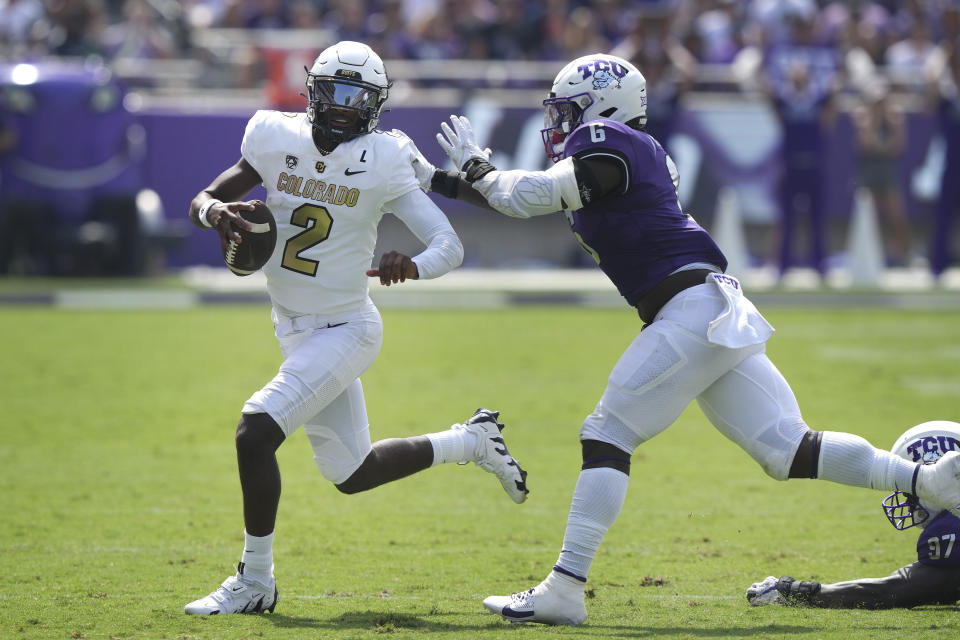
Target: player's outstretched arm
{"type": "Point", "coordinates": [218, 205]}
{"type": "Point", "coordinates": [568, 185]}
{"type": "Point", "coordinates": [910, 586]}
{"type": "Point", "coordinates": [449, 184]}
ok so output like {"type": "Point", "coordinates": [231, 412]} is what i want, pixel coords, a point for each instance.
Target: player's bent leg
{"type": "Point", "coordinates": [479, 440]}
{"type": "Point", "coordinates": [753, 406]}
{"type": "Point", "coordinates": [389, 460]}
{"type": "Point", "coordinates": [849, 459]}
{"type": "Point", "coordinates": [257, 439]}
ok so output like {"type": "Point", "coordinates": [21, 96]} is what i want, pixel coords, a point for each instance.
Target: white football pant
{"type": "Point", "coordinates": [673, 362]}
{"type": "Point", "coordinates": [318, 386]}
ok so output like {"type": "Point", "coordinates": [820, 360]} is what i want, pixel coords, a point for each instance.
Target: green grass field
{"type": "Point", "coordinates": [121, 500]}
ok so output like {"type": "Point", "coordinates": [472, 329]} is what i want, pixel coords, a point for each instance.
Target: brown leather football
{"type": "Point", "coordinates": [254, 251]}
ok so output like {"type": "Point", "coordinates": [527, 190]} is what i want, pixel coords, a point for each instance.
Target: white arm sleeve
{"type": "Point", "coordinates": [444, 251]}
{"type": "Point", "coordinates": [524, 194]}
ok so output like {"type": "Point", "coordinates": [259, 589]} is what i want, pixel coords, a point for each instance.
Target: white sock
{"type": "Point", "coordinates": [453, 445]}
{"type": "Point", "coordinates": [558, 580]}
{"type": "Point", "coordinates": [597, 501]}
{"type": "Point", "coordinates": [257, 557]}
{"type": "Point", "coordinates": [849, 459]}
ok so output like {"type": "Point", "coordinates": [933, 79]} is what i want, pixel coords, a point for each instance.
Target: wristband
{"type": "Point", "coordinates": [476, 168]}
{"type": "Point", "coordinates": [205, 209]}
{"type": "Point", "coordinates": [446, 183]}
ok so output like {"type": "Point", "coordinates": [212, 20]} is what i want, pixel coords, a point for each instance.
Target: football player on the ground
{"type": "Point", "coordinates": [703, 339]}
{"type": "Point", "coordinates": [330, 175]}
{"type": "Point", "coordinates": [933, 579]}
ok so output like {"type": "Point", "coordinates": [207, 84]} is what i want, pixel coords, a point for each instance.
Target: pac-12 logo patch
{"type": "Point", "coordinates": [292, 162]}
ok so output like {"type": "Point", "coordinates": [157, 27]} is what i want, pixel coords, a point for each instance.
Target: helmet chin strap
{"type": "Point", "coordinates": [324, 145]}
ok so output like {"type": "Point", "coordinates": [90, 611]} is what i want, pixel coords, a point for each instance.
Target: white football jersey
{"type": "Point", "coordinates": [327, 208]}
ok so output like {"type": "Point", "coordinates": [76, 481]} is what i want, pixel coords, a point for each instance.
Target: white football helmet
{"type": "Point", "coordinates": [346, 86]}
{"type": "Point", "coordinates": [589, 88]}
{"type": "Point", "coordinates": [924, 443]}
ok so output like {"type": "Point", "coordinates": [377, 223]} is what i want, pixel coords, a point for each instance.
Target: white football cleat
{"type": "Point", "coordinates": [237, 594]}
{"type": "Point", "coordinates": [939, 482]}
{"type": "Point", "coordinates": [550, 602]}
{"type": "Point", "coordinates": [492, 455]}
{"type": "Point", "coordinates": [764, 593]}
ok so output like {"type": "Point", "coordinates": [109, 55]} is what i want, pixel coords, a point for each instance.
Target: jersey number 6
{"type": "Point", "coordinates": [597, 134]}
{"type": "Point", "coordinates": [316, 222]}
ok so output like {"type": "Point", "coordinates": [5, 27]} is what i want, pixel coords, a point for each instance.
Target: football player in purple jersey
{"type": "Point", "coordinates": [933, 579]}
{"type": "Point", "coordinates": [703, 339]}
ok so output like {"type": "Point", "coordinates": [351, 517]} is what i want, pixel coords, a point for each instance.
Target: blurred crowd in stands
{"type": "Point", "coordinates": [900, 34]}
{"type": "Point", "coordinates": [808, 57]}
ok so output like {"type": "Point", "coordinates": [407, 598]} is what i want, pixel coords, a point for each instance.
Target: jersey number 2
{"type": "Point", "coordinates": [316, 222]}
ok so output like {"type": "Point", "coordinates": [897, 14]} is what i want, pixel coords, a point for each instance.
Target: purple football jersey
{"type": "Point", "coordinates": [937, 545]}
{"type": "Point", "coordinates": [638, 236]}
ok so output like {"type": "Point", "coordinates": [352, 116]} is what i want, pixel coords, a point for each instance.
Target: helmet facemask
{"type": "Point", "coordinates": [560, 117]}
{"type": "Point", "coordinates": [341, 109]}
{"type": "Point", "coordinates": [922, 444]}
{"type": "Point", "coordinates": [903, 510]}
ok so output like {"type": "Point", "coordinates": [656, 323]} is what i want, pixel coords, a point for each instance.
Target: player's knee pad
{"type": "Point", "coordinates": [806, 461]}
{"type": "Point", "coordinates": [597, 454]}
{"type": "Point", "coordinates": [257, 433]}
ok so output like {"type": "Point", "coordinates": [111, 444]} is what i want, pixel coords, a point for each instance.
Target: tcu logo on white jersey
{"type": "Point", "coordinates": [724, 279]}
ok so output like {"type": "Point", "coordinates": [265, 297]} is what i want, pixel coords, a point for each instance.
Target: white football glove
{"type": "Point", "coordinates": [424, 171]}
{"type": "Point", "coordinates": [764, 593]}
{"type": "Point", "coordinates": [460, 144]}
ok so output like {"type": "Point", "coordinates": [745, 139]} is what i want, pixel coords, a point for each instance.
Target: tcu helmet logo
{"type": "Point", "coordinates": [929, 449]}
{"type": "Point", "coordinates": [604, 72]}
{"type": "Point", "coordinates": [603, 79]}
{"type": "Point", "coordinates": [292, 162]}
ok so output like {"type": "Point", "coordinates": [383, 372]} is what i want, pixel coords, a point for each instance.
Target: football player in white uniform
{"type": "Point", "coordinates": [330, 175]}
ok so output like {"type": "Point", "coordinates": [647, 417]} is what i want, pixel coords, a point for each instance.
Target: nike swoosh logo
{"type": "Point", "coordinates": [347, 172]}
{"type": "Point", "coordinates": [339, 324]}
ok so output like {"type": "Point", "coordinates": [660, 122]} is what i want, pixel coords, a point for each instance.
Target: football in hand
{"type": "Point", "coordinates": [257, 245]}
